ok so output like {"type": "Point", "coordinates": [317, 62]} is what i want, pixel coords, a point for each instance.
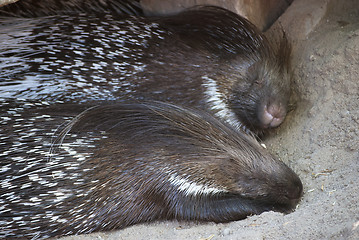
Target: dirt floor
{"type": "Point", "coordinates": [319, 139]}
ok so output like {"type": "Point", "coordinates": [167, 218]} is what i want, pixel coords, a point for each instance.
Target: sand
{"type": "Point", "coordinates": [319, 139]}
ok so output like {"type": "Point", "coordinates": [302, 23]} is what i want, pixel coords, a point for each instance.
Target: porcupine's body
{"type": "Point", "coordinates": [206, 57]}
{"type": "Point", "coordinates": [117, 165]}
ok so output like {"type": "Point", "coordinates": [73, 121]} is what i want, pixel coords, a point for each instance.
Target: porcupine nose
{"type": "Point", "coordinates": [272, 114]}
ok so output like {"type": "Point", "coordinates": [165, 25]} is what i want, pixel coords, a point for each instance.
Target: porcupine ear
{"type": "Point", "coordinates": [39, 8]}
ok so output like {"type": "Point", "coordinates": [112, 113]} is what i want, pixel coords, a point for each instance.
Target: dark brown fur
{"type": "Point", "coordinates": [40, 8]}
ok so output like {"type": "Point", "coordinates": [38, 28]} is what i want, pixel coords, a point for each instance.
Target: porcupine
{"type": "Point", "coordinates": [98, 172]}
{"type": "Point", "coordinates": [206, 57]}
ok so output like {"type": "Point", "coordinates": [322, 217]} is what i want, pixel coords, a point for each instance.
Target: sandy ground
{"type": "Point", "coordinates": [319, 139]}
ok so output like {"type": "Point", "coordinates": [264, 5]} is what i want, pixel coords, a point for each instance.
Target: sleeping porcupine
{"type": "Point", "coordinates": [206, 57]}
{"type": "Point", "coordinates": [98, 172]}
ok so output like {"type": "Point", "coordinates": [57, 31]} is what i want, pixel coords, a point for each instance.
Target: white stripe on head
{"type": "Point", "coordinates": [189, 187]}
{"type": "Point", "coordinates": [215, 100]}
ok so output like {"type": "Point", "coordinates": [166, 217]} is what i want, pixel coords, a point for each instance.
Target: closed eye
{"type": "Point", "coordinates": [259, 82]}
